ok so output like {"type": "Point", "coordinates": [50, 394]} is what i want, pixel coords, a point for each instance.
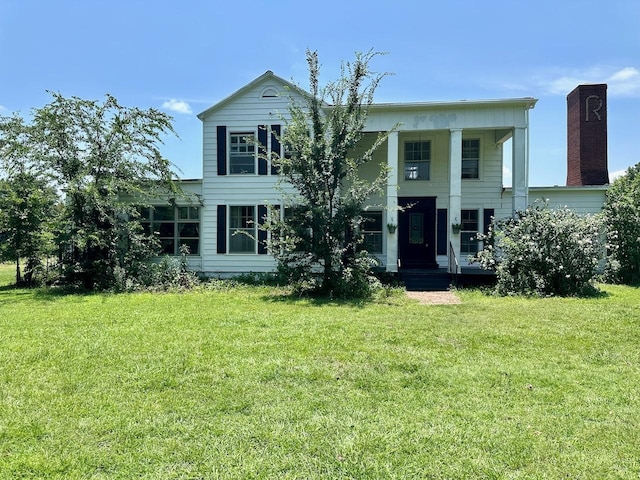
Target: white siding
{"type": "Point", "coordinates": [586, 199]}
{"type": "Point", "coordinates": [243, 113]}
{"type": "Point", "coordinates": [495, 115]}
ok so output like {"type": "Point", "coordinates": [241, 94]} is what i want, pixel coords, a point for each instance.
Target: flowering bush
{"type": "Point", "coordinates": [544, 251]}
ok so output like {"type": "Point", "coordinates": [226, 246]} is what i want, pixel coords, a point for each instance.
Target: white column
{"type": "Point", "coordinates": [455, 187]}
{"type": "Point", "coordinates": [519, 166]}
{"type": "Point", "coordinates": [392, 202]}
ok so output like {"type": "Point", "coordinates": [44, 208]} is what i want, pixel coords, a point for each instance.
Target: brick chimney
{"type": "Point", "coordinates": [587, 136]}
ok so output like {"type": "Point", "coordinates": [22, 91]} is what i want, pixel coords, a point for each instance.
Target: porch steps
{"type": "Point", "coordinates": [425, 280]}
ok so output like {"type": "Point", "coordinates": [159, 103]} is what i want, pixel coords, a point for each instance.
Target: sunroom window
{"type": "Point", "coordinates": [174, 226]}
{"type": "Point", "coordinates": [189, 228]}
{"type": "Point", "coordinates": [417, 160]}
{"type": "Point", "coordinates": [242, 149]}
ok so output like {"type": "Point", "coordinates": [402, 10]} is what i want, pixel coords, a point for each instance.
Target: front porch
{"type": "Point", "coordinates": [432, 192]}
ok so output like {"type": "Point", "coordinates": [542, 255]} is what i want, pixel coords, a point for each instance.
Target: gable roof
{"type": "Point", "coordinates": [268, 75]}
{"type": "Point", "coordinates": [525, 102]}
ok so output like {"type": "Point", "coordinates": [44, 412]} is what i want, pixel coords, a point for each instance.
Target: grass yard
{"type": "Point", "coordinates": [246, 383]}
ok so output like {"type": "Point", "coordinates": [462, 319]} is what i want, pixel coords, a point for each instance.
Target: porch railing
{"type": "Point", "coordinates": [454, 266]}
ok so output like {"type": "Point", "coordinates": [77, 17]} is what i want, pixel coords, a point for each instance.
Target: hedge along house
{"type": "Point", "coordinates": [446, 163]}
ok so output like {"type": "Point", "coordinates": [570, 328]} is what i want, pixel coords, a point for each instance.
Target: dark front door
{"type": "Point", "coordinates": [417, 232]}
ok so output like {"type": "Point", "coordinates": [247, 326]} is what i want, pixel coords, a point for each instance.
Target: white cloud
{"type": "Point", "coordinates": [622, 82]}
{"type": "Point", "coordinates": [3, 109]}
{"type": "Point", "coordinates": [616, 174]}
{"type": "Point", "coordinates": [178, 106]}
{"type": "Point", "coordinates": [625, 82]}
{"type": "Point", "coordinates": [626, 74]}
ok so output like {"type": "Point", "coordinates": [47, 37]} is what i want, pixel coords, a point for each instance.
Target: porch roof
{"type": "Point", "coordinates": [523, 102]}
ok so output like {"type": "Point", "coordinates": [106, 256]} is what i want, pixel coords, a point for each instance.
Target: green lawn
{"type": "Point", "coordinates": [246, 383]}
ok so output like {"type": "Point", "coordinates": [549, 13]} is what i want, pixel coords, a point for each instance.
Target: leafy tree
{"type": "Point", "coordinates": [27, 203]}
{"type": "Point", "coordinates": [544, 251]}
{"type": "Point", "coordinates": [622, 214]}
{"type": "Point", "coordinates": [26, 209]}
{"type": "Point", "coordinates": [320, 230]}
{"type": "Point", "coordinates": [94, 152]}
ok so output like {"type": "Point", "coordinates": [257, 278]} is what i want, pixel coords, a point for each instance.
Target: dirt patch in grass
{"type": "Point", "coordinates": [435, 298]}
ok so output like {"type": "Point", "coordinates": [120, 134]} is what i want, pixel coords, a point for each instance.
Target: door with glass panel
{"type": "Point", "coordinates": [417, 232]}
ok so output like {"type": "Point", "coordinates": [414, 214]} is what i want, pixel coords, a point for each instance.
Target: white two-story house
{"type": "Point", "coordinates": [446, 164]}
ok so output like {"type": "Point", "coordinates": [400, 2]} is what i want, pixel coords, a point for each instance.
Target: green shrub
{"type": "Point", "coordinates": [544, 252]}
{"type": "Point", "coordinates": [354, 278]}
{"type": "Point", "coordinates": [169, 274]}
{"type": "Point", "coordinates": [622, 214]}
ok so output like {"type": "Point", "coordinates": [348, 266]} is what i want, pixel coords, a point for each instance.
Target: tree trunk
{"type": "Point", "coordinates": [18, 276]}
{"type": "Point", "coordinates": [327, 277]}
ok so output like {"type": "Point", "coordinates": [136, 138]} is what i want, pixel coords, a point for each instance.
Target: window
{"type": "Point", "coordinates": [469, 232]}
{"type": "Point", "coordinates": [164, 226]}
{"type": "Point", "coordinates": [242, 149]}
{"type": "Point", "coordinates": [269, 92]}
{"type": "Point", "coordinates": [372, 231]}
{"type": "Point", "coordinates": [470, 158]}
{"type": "Point", "coordinates": [174, 226]}
{"type": "Point", "coordinates": [417, 160]}
{"type": "Point", "coordinates": [242, 229]}
{"type": "Point", "coordinates": [297, 219]}
{"type": "Point", "coordinates": [416, 228]}
{"type": "Point", "coordinates": [189, 228]}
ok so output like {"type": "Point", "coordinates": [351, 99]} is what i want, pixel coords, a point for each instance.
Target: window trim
{"type": "Point", "coordinates": [242, 132]}
{"type": "Point", "coordinates": [176, 221]}
{"type": "Point", "coordinates": [465, 230]}
{"type": "Point", "coordinates": [269, 92]}
{"type": "Point", "coordinates": [426, 162]}
{"type": "Point", "coordinates": [366, 232]}
{"type": "Point", "coordinates": [478, 159]}
{"type": "Point", "coordinates": [230, 230]}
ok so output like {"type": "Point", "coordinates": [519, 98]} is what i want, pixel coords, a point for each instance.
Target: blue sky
{"type": "Point", "coordinates": [183, 57]}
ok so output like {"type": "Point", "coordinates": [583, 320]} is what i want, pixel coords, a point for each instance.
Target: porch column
{"type": "Point", "coordinates": [392, 202]}
{"type": "Point", "coordinates": [455, 187]}
{"type": "Point", "coordinates": [519, 167]}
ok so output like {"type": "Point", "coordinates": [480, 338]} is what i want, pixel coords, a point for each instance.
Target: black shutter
{"type": "Point", "coordinates": [441, 242]}
{"type": "Point", "coordinates": [262, 233]}
{"type": "Point", "coordinates": [488, 214]}
{"type": "Point", "coordinates": [262, 149]}
{"type": "Point", "coordinates": [222, 229]}
{"type": "Point", "coordinates": [222, 149]}
{"type": "Point", "coordinates": [275, 145]}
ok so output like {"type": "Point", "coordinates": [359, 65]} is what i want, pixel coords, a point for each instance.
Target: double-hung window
{"type": "Point", "coordinates": [242, 229]}
{"type": "Point", "coordinates": [469, 232]}
{"type": "Point", "coordinates": [417, 160]}
{"type": "Point", "coordinates": [242, 153]}
{"type": "Point", "coordinates": [470, 158]}
{"type": "Point", "coordinates": [372, 231]}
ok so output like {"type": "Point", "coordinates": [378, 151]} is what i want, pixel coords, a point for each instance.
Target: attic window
{"type": "Point", "coordinates": [269, 92]}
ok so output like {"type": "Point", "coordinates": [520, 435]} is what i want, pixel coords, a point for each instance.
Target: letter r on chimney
{"type": "Point", "coordinates": [594, 110]}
